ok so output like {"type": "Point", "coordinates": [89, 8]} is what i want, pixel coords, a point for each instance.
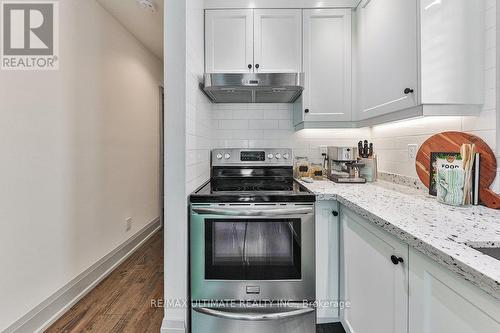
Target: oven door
{"type": "Point", "coordinates": [252, 251]}
{"type": "Point", "coordinates": [261, 319]}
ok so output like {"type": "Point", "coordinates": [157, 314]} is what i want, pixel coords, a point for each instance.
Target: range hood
{"type": "Point", "coordinates": [253, 87]}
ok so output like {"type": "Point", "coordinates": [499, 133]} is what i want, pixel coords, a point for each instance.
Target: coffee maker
{"type": "Point", "coordinates": [343, 165]}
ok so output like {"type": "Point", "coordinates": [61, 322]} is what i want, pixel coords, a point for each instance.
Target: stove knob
{"type": "Point", "coordinates": [278, 156]}
{"type": "Point", "coordinates": [227, 156]}
{"type": "Point", "coordinates": [286, 156]}
{"type": "Point", "coordinates": [270, 156]}
{"type": "Point", "coordinates": [219, 156]}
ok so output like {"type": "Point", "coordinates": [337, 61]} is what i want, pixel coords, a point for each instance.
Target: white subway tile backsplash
{"type": "Point", "coordinates": [490, 58]}
{"type": "Point", "coordinates": [286, 124]}
{"type": "Point", "coordinates": [490, 40]}
{"type": "Point", "coordinates": [233, 124]}
{"type": "Point", "coordinates": [247, 114]}
{"type": "Point", "coordinates": [230, 143]}
{"type": "Point", "coordinates": [246, 134]}
{"type": "Point", "coordinates": [263, 124]}
{"type": "Point", "coordinates": [277, 134]}
{"type": "Point", "coordinates": [486, 121]}
{"type": "Point", "coordinates": [278, 114]}
{"type": "Point", "coordinates": [490, 17]}
{"type": "Point", "coordinates": [222, 114]}
{"type": "Point", "coordinates": [490, 78]}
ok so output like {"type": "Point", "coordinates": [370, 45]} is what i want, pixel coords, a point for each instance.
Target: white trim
{"type": "Point", "coordinates": [173, 326]}
{"type": "Point", "coordinates": [232, 4]}
{"type": "Point", "coordinates": [47, 312]}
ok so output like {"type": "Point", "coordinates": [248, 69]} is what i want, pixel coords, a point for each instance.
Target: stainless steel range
{"type": "Point", "coordinates": [252, 246]}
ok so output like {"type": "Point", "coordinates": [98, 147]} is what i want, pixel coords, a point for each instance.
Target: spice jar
{"type": "Point", "coordinates": [302, 167]}
{"type": "Point", "coordinates": [317, 172]}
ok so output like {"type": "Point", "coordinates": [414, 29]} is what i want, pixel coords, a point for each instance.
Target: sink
{"type": "Point", "coordinates": [493, 252]}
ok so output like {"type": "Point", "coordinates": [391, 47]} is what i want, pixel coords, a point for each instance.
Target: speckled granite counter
{"type": "Point", "coordinates": [441, 232]}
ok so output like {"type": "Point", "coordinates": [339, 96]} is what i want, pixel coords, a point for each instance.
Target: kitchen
{"type": "Point", "coordinates": [272, 87]}
{"type": "Point", "coordinates": [247, 166]}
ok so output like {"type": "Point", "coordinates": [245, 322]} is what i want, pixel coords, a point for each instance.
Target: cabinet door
{"type": "Point", "coordinates": [278, 40]}
{"type": "Point", "coordinates": [327, 260]}
{"type": "Point", "coordinates": [387, 42]}
{"type": "Point", "coordinates": [228, 41]}
{"type": "Point", "coordinates": [442, 301]}
{"type": "Point", "coordinates": [376, 288]}
{"type": "Point", "coordinates": [327, 64]}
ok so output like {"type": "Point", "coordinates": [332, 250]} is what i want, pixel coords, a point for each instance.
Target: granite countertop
{"type": "Point", "coordinates": [441, 232]}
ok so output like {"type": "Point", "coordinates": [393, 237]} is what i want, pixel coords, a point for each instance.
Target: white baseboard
{"type": "Point", "coordinates": [173, 326]}
{"type": "Point", "coordinates": [47, 312]}
{"type": "Point", "coordinates": [327, 320]}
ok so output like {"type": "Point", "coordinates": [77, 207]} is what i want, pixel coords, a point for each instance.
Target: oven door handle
{"type": "Point", "coordinates": [253, 212]}
{"type": "Point", "coordinates": [220, 313]}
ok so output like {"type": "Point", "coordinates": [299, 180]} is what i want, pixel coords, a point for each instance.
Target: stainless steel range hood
{"type": "Point", "coordinates": [253, 87]}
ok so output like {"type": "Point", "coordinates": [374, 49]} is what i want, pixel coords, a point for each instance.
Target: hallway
{"type": "Point", "coordinates": [122, 301]}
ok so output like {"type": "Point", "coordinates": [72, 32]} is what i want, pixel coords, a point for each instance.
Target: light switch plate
{"type": "Point", "coordinates": [128, 224]}
{"type": "Point", "coordinates": [323, 150]}
{"type": "Point", "coordinates": [412, 151]}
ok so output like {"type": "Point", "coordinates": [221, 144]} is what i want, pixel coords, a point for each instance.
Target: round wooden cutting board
{"type": "Point", "coordinates": [451, 142]}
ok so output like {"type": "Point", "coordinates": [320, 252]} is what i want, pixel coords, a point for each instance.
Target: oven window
{"type": "Point", "coordinates": [252, 249]}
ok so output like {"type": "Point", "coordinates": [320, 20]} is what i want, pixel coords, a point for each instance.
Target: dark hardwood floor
{"type": "Point", "coordinates": [122, 301]}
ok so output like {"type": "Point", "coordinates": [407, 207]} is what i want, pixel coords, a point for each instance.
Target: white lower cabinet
{"type": "Point", "coordinates": [441, 301]}
{"type": "Point", "coordinates": [375, 287]}
{"type": "Point", "coordinates": [413, 294]}
{"type": "Point", "coordinates": [327, 261]}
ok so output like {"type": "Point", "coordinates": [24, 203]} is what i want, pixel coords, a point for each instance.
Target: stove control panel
{"type": "Point", "coordinates": [275, 156]}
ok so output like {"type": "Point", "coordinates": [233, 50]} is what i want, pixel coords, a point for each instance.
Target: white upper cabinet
{"type": "Point", "coordinates": [418, 58]}
{"type": "Point", "coordinates": [261, 40]}
{"type": "Point", "coordinates": [374, 278]}
{"type": "Point", "coordinates": [327, 65]}
{"type": "Point", "coordinates": [278, 40]}
{"type": "Point", "coordinates": [228, 41]}
{"type": "Point", "coordinates": [387, 54]}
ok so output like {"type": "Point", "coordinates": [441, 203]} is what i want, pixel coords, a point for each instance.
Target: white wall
{"type": "Point", "coordinates": [187, 146]}
{"type": "Point", "coordinates": [198, 106]}
{"type": "Point", "coordinates": [79, 155]}
{"type": "Point", "coordinates": [270, 126]}
{"type": "Point", "coordinates": [391, 140]}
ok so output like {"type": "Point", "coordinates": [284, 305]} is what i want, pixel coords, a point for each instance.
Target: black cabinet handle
{"type": "Point", "coordinates": [408, 91]}
{"type": "Point", "coordinates": [396, 260]}
{"type": "Point", "coordinates": [306, 110]}
{"type": "Point", "coordinates": [257, 66]}
{"type": "Point", "coordinates": [249, 66]}
{"type": "Point", "coordinates": [335, 213]}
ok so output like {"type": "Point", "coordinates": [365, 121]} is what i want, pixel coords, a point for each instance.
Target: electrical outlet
{"type": "Point", "coordinates": [323, 150]}
{"type": "Point", "coordinates": [412, 151]}
{"type": "Point", "coordinates": [128, 224]}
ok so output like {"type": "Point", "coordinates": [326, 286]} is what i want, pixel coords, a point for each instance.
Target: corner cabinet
{"type": "Point", "coordinates": [387, 55]}
{"type": "Point", "coordinates": [418, 58]}
{"type": "Point", "coordinates": [327, 260]}
{"type": "Point", "coordinates": [374, 277]}
{"type": "Point", "coordinates": [390, 287]}
{"type": "Point", "coordinates": [442, 301]}
{"type": "Point", "coordinates": [327, 67]}
{"type": "Point", "coordinates": [253, 40]}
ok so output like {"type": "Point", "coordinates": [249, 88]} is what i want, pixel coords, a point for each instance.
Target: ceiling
{"type": "Point", "coordinates": [145, 25]}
